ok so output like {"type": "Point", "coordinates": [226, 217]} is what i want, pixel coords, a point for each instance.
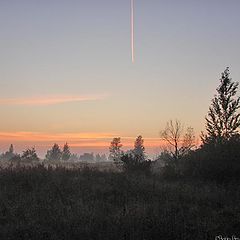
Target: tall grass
{"type": "Point", "coordinates": [40, 203]}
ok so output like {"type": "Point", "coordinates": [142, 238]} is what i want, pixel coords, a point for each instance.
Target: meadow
{"type": "Point", "coordinates": [60, 203]}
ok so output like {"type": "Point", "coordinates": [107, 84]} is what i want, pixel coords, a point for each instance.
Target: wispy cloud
{"type": "Point", "coordinates": [54, 137]}
{"type": "Point", "coordinates": [49, 100]}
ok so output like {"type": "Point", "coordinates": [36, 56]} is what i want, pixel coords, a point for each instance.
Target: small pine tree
{"type": "Point", "coordinates": [66, 154]}
{"type": "Point", "coordinates": [54, 154]}
{"type": "Point", "coordinates": [115, 150]}
{"type": "Point", "coordinates": [223, 118]}
{"type": "Point", "coordinates": [139, 149]}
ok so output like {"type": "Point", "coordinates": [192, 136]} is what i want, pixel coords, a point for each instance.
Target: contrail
{"type": "Point", "coordinates": [132, 29]}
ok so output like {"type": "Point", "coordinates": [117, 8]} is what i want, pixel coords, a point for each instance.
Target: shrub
{"type": "Point", "coordinates": [134, 163]}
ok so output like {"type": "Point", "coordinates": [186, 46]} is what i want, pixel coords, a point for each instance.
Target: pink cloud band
{"type": "Point", "coordinates": [49, 100]}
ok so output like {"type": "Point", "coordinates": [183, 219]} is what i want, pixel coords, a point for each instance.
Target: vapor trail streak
{"type": "Point", "coordinates": [132, 29]}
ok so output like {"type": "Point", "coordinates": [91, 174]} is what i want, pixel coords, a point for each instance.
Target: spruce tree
{"type": "Point", "coordinates": [115, 150]}
{"type": "Point", "coordinates": [223, 118]}
{"type": "Point", "coordinates": [66, 154]}
{"type": "Point", "coordinates": [139, 149]}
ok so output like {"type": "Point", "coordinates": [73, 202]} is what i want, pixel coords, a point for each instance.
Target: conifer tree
{"type": "Point", "coordinates": [139, 149]}
{"type": "Point", "coordinates": [11, 149]}
{"type": "Point", "coordinates": [223, 119]}
{"type": "Point", "coordinates": [115, 150]}
{"type": "Point", "coordinates": [66, 154]}
{"type": "Point", "coordinates": [8, 155]}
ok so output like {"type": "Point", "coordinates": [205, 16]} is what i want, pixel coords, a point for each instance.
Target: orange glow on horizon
{"type": "Point", "coordinates": [74, 139]}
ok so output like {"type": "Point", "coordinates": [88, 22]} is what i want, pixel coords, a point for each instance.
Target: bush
{"type": "Point", "coordinates": [214, 162]}
{"type": "Point", "coordinates": [134, 163]}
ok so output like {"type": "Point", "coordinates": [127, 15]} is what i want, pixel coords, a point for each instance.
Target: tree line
{"type": "Point", "coordinates": [55, 154]}
{"type": "Point", "coordinates": [217, 157]}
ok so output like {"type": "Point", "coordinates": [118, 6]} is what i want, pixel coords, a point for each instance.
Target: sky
{"type": "Point", "coordinates": [66, 72]}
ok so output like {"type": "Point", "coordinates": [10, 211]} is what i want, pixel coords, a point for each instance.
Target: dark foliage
{"type": "Point", "coordinates": [219, 156]}
{"type": "Point", "coordinates": [223, 118]}
{"type": "Point", "coordinates": [66, 154]}
{"type": "Point", "coordinates": [219, 162]}
{"type": "Point", "coordinates": [61, 204]}
{"type": "Point", "coordinates": [134, 163]}
{"type": "Point", "coordinates": [139, 149]}
{"type": "Point", "coordinates": [54, 154]}
{"type": "Point", "coordinates": [9, 155]}
{"type": "Point", "coordinates": [115, 151]}
{"type": "Point", "coordinates": [29, 155]}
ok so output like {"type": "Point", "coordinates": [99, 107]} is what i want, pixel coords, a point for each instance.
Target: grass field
{"type": "Point", "coordinates": [57, 204]}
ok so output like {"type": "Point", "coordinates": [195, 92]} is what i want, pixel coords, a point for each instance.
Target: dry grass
{"type": "Point", "coordinates": [40, 203]}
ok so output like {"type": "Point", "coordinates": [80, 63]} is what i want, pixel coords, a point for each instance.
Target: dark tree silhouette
{"type": "Point", "coordinates": [179, 141]}
{"type": "Point", "coordinates": [29, 155]}
{"type": "Point", "coordinates": [8, 155]}
{"type": "Point", "coordinates": [54, 153]}
{"type": "Point", "coordinates": [66, 154]}
{"type": "Point", "coordinates": [139, 149]}
{"type": "Point", "coordinates": [223, 118]}
{"type": "Point", "coordinates": [115, 150]}
{"type": "Point", "coordinates": [11, 149]}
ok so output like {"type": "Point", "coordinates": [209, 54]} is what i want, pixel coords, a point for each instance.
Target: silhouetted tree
{"type": "Point", "coordinates": [218, 157]}
{"type": "Point", "coordinates": [54, 153]}
{"type": "Point", "coordinates": [8, 155]}
{"type": "Point", "coordinates": [29, 155]}
{"type": "Point", "coordinates": [66, 154]}
{"type": "Point", "coordinates": [11, 149]}
{"type": "Point", "coordinates": [139, 149]}
{"type": "Point", "coordinates": [223, 120]}
{"type": "Point", "coordinates": [180, 141]}
{"type": "Point", "coordinates": [115, 150]}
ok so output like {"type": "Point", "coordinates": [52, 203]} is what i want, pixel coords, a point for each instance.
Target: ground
{"type": "Point", "coordinates": [41, 203]}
